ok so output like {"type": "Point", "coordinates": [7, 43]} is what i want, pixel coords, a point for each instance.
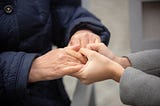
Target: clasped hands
{"type": "Point", "coordinates": [85, 58]}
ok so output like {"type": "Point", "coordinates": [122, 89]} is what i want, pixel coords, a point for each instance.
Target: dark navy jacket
{"type": "Point", "coordinates": [29, 28]}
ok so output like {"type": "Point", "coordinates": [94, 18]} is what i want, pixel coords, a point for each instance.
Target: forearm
{"type": "Point", "coordinates": [83, 19]}
{"type": "Point", "coordinates": [75, 18]}
{"type": "Point", "coordinates": [123, 61]}
{"type": "Point", "coordinates": [139, 88]}
{"type": "Point", "coordinates": [119, 66]}
{"type": "Point", "coordinates": [147, 61]}
{"type": "Point", "coordinates": [117, 72]}
{"type": "Point", "coordinates": [14, 68]}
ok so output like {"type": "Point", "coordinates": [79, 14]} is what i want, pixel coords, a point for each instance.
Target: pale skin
{"type": "Point", "coordinates": [84, 37]}
{"type": "Point", "coordinates": [104, 50]}
{"type": "Point", "coordinates": [55, 64]}
{"type": "Point", "coordinates": [58, 63]}
{"type": "Point", "coordinates": [102, 64]}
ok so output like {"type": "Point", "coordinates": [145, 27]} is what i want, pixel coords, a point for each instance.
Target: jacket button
{"type": "Point", "coordinates": [8, 9]}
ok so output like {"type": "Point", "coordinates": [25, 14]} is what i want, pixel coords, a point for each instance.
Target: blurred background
{"type": "Point", "coordinates": [137, 20]}
{"type": "Point", "coordinates": [114, 14]}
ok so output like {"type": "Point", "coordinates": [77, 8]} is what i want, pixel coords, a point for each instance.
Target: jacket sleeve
{"type": "Point", "coordinates": [14, 69]}
{"type": "Point", "coordinates": [146, 61]}
{"type": "Point", "coordinates": [139, 89]}
{"type": "Point", "coordinates": [73, 17]}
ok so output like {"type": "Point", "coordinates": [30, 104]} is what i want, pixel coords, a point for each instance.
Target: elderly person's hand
{"type": "Point", "coordinates": [55, 64]}
{"type": "Point", "coordinates": [84, 37]}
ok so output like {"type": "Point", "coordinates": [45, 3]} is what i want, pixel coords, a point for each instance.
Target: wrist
{"type": "Point", "coordinates": [83, 30]}
{"type": "Point", "coordinates": [123, 61]}
{"type": "Point", "coordinates": [31, 73]}
{"type": "Point", "coordinates": [34, 74]}
{"type": "Point", "coordinates": [118, 71]}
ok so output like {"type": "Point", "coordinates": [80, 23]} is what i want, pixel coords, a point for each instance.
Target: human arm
{"type": "Point", "coordinates": [137, 86]}
{"type": "Point", "coordinates": [146, 61]}
{"type": "Point", "coordinates": [140, 85]}
{"type": "Point", "coordinates": [73, 18]}
{"type": "Point", "coordinates": [14, 69]}
{"type": "Point", "coordinates": [55, 64]}
{"type": "Point", "coordinates": [17, 70]}
{"type": "Point", "coordinates": [104, 50]}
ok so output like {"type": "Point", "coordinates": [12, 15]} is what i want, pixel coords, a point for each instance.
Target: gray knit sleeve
{"type": "Point", "coordinates": [139, 89]}
{"type": "Point", "coordinates": [147, 61]}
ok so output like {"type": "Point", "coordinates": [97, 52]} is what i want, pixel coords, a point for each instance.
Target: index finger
{"type": "Point", "coordinates": [86, 52]}
{"type": "Point", "coordinates": [76, 55]}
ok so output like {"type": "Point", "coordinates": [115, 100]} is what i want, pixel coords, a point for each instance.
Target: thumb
{"type": "Point", "coordinates": [93, 46]}
{"type": "Point", "coordinates": [75, 47]}
{"type": "Point", "coordinates": [86, 52]}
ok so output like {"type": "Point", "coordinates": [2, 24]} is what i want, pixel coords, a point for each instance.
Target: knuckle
{"type": "Point", "coordinates": [61, 56]}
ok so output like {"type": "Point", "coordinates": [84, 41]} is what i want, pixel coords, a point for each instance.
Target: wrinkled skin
{"type": "Point", "coordinates": [55, 64]}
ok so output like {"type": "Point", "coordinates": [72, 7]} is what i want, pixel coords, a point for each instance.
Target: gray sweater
{"type": "Point", "coordinates": [140, 84]}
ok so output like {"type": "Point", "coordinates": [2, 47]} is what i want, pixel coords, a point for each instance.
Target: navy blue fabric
{"type": "Point", "coordinates": [29, 31]}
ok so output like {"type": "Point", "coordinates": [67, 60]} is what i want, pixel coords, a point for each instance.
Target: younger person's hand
{"type": "Point", "coordinates": [98, 68]}
{"type": "Point", "coordinates": [104, 50]}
